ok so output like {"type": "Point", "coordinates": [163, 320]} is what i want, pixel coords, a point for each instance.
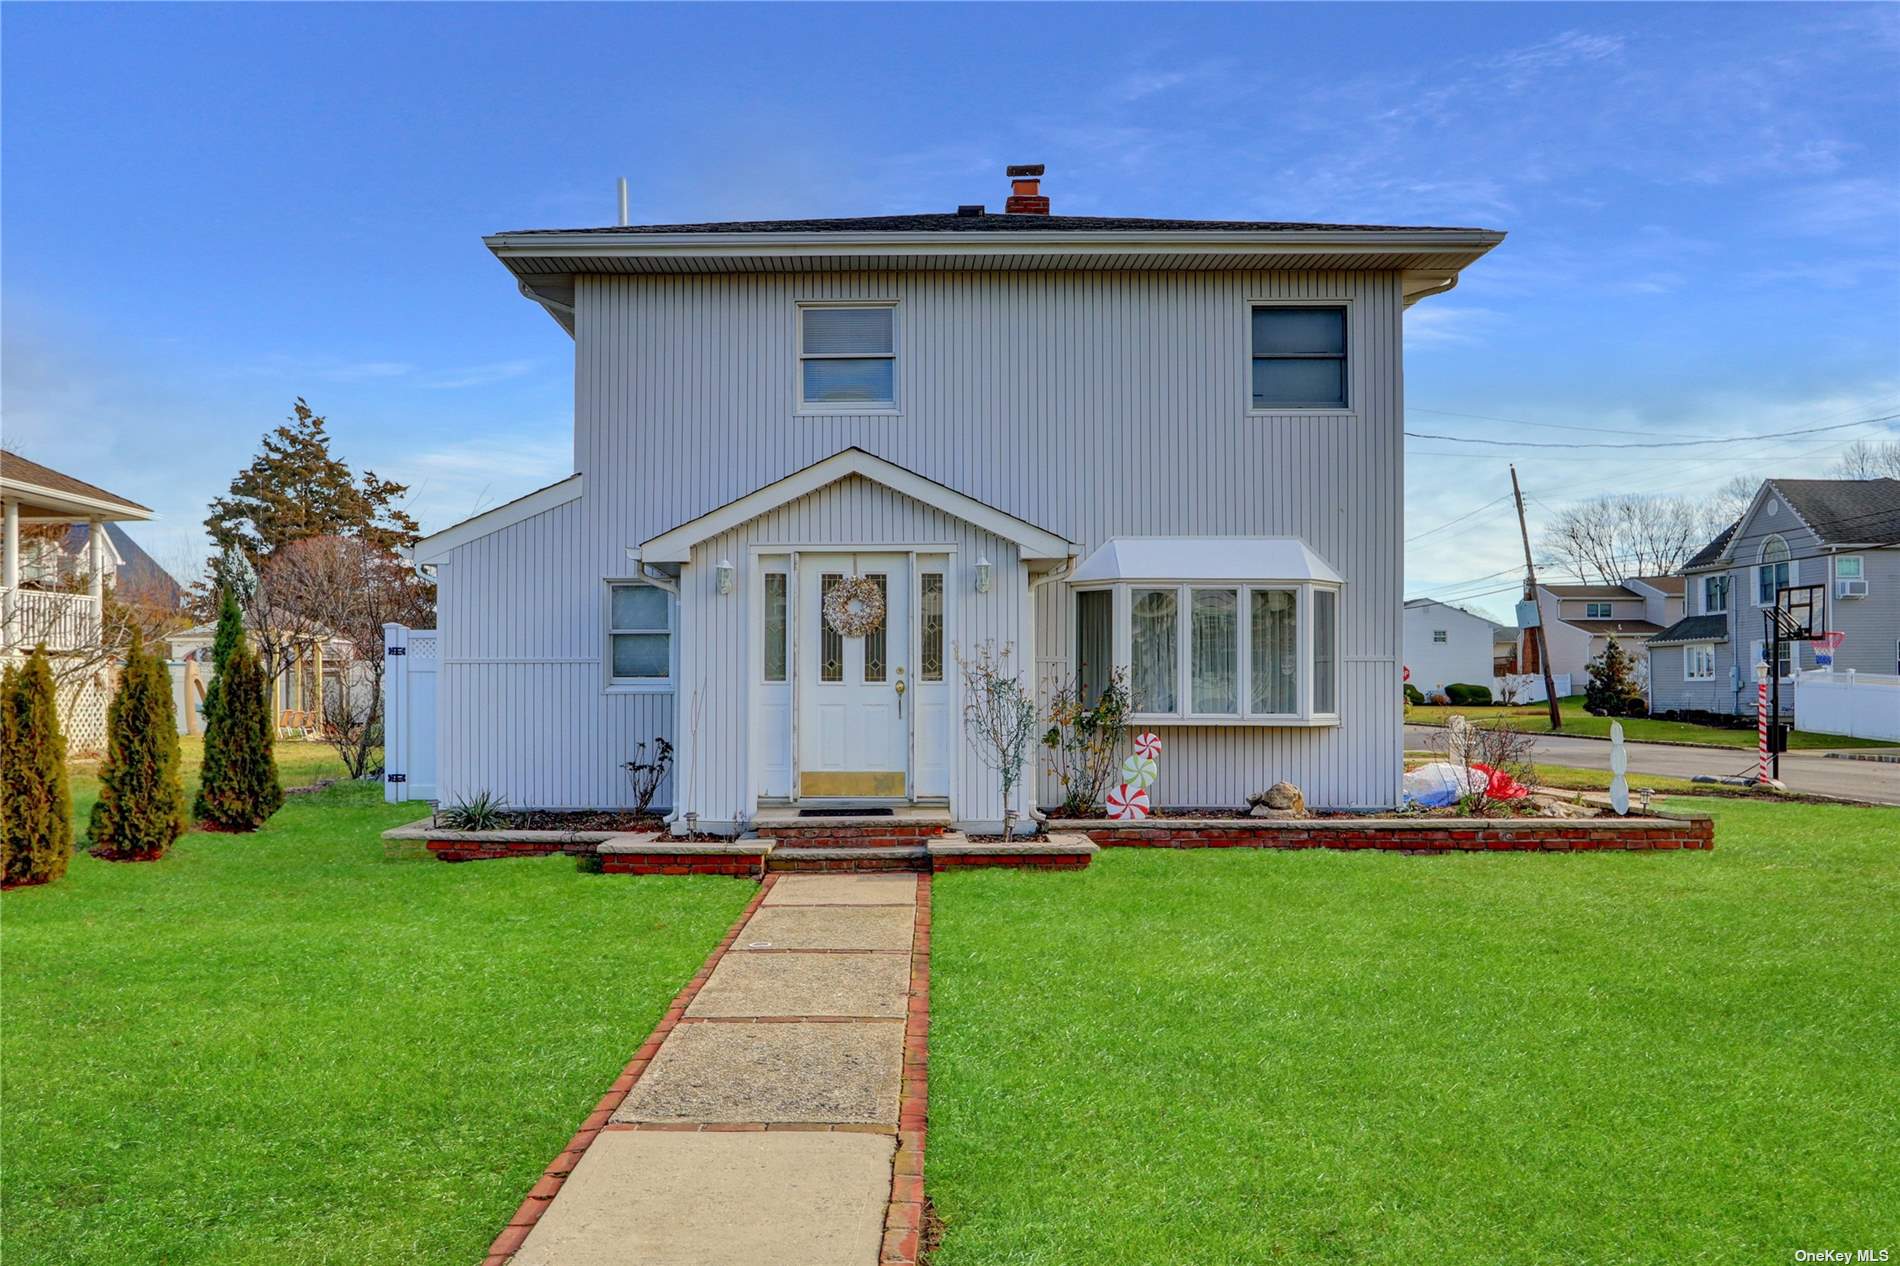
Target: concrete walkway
{"type": "Point", "coordinates": [765, 1128]}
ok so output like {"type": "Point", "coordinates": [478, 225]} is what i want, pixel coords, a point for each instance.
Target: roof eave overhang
{"type": "Point", "coordinates": [1443, 251]}
{"type": "Point", "coordinates": [1033, 543]}
{"type": "Point", "coordinates": [50, 505]}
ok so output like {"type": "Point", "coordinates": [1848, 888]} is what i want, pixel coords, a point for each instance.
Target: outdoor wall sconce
{"type": "Point", "coordinates": [982, 575]}
{"type": "Point", "coordinates": [722, 575]}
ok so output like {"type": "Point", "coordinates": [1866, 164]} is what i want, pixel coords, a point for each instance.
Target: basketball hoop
{"type": "Point", "coordinates": [1830, 642]}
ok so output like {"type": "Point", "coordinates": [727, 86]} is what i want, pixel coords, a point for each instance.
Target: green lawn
{"type": "Point", "coordinates": [298, 765]}
{"type": "Point", "coordinates": [282, 1048]}
{"type": "Point", "coordinates": [1243, 1057]}
{"type": "Point", "coordinates": [1535, 718]}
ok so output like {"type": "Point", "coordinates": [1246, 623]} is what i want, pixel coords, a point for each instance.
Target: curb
{"type": "Point", "coordinates": [541, 1195]}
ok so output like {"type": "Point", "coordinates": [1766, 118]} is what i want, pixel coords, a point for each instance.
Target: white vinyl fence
{"type": "Point", "coordinates": [409, 713]}
{"type": "Point", "coordinates": [1857, 705]}
{"type": "Point", "coordinates": [1528, 687]}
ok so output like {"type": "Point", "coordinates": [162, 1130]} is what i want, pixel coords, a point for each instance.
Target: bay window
{"type": "Point", "coordinates": [1244, 653]}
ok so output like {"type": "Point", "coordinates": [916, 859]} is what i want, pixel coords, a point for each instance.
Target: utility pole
{"type": "Point", "coordinates": [1530, 596]}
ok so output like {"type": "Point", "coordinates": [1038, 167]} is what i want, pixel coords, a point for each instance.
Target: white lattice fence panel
{"type": "Point", "coordinates": [82, 711]}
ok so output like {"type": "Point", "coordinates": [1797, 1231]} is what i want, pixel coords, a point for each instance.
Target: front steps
{"type": "Point", "coordinates": [756, 854]}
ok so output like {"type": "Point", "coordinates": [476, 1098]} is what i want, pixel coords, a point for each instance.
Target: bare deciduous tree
{"type": "Point", "coordinates": [999, 716]}
{"type": "Point", "coordinates": [1864, 459]}
{"type": "Point", "coordinates": [334, 585]}
{"type": "Point", "coordinates": [1612, 538]}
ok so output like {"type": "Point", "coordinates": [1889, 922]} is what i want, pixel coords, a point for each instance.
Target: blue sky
{"type": "Point", "coordinates": [210, 210]}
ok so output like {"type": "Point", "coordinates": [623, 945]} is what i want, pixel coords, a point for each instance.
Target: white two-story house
{"type": "Point", "coordinates": [1166, 447]}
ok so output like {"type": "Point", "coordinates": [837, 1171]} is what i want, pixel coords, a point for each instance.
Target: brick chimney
{"type": "Point", "coordinates": [1025, 191]}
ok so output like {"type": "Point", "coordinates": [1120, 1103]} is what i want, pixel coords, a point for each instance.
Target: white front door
{"type": "Point", "coordinates": [853, 717]}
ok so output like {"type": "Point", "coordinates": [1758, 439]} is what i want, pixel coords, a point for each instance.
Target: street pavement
{"type": "Point", "coordinates": [1873, 781]}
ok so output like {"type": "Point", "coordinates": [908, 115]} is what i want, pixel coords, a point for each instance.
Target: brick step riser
{"type": "Point", "coordinates": [781, 863]}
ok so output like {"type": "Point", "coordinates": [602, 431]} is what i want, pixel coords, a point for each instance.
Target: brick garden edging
{"type": "Point", "coordinates": [904, 1219]}
{"type": "Point", "coordinates": [542, 1194]}
{"type": "Point", "coordinates": [1408, 835]}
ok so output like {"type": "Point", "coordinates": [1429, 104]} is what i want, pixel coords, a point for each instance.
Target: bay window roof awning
{"type": "Point", "coordinates": [1234, 559]}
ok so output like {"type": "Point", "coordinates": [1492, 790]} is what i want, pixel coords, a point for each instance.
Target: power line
{"type": "Point", "coordinates": [1669, 443]}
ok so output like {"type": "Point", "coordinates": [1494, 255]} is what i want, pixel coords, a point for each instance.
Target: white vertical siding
{"type": "Point", "coordinates": [521, 707]}
{"type": "Point", "coordinates": [1093, 404]}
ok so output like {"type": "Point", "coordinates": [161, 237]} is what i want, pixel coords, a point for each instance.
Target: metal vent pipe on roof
{"type": "Point", "coordinates": [624, 221]}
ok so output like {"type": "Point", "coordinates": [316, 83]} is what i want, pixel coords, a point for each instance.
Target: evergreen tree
{"type": "Point", "coordinates": [223, 642]}
{"type": "Point", "coordinates": [141, 806]}
{"type": "Point", "coordinates": [36, 807]}
{"type": "Point", "coordinates": [238, 788]}
{"type": "Point", "coordinates": [1613, 690]}
{"type": "Point", "coordinates": [294, 489]}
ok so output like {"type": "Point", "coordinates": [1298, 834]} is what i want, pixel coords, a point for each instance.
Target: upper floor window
{"type": "Point", "coordinates": [1597, 611]}
{"type": "Point", "coordinates": [1848, 567]}
{"type": "Point", "coordinates": [1714, 595]}
{"type": "Point", "coordinates": [1439, 636]}
{"type": "Point", "coordinates": [847, 358]}
{"type": "Point", "coordinates": [1299, 357]}
{"type": "Point", "coordinates": [639, 634]}
{"type": "Point", "coordinates": [1772, 573]}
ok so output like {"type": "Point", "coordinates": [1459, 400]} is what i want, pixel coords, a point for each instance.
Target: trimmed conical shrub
{"type": "Point", "coordinates": [36, 806]}
{"type": "Point", "coordinates": [141, 806]}
{"type": "Point", "coordinates": [238, 788]}
{"type": "Point", "coordinates": [223, 642]}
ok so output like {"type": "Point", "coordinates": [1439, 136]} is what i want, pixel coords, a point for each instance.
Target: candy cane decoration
{"type": "Point", "coordinates": [1148, 743]}
{"type": "Point", "coordinates": [1127, 804]}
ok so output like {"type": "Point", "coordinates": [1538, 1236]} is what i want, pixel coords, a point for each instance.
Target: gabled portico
{"type": "Point", "coordinates": [781, 704]}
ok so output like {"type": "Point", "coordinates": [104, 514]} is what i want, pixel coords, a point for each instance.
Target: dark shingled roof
{"type": "Point", "coordinates": [1711, 553]}
{"type": "Point", "coordinates": [1846, 511]}
{"type": "Point", "coordinates": [1594, 591]}
{"type": "Point", "coordinates": [950, 222]}
{"type": "Point", "coordinates": [1617, 628]}
{"type": "Point", "coordinates": [1694, 628]}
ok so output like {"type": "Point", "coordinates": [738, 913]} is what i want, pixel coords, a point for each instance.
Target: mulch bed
{"type": "Point", "coordinates": [580, 820]}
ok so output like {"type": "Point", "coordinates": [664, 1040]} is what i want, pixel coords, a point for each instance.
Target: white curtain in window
{"type": "Point", "coordinates": [1214, 660]}
{"type": "Point", "coordinates": [1153, 666]}
{"type": "Point", "coordinates": [1325, 651]}
{"type": "Point", "coordinates": [1276, 651]}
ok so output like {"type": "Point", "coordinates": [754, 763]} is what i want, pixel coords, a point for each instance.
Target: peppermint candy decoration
{"type": "Point", "coordinates": [1148, 743]}
{"type": "Point", "coordinates": [1127, 804]}
{"type": "Point", "coordinates": [1138, 772]}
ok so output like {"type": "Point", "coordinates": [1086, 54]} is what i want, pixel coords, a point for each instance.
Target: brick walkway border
{"type": "Point", "coordinates": [542, 1194]}
{"type": "Point", "coordinates": [904, 1220]}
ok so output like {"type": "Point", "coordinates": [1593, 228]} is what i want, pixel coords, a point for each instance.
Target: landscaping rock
{"type": "Point", "coordinates": [1281, 800]}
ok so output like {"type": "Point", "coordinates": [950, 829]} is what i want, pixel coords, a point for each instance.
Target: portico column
{"type": "Point", "coordinates": [95, 564]}
{"type": "Point", "coordinates": [12, 580]}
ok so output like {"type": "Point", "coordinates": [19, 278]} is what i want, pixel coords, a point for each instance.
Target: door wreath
{"type": "Point", "coordinates": [855, 606]}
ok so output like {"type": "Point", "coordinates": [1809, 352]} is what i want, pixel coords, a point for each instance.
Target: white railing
{"type": "Point", "coordinates": [62, 621]}
{"type": "Point", "coordinates": [1858, 705]}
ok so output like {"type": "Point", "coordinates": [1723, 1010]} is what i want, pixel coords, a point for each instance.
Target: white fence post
{"type": "Point", "coordinates": [395, 712]}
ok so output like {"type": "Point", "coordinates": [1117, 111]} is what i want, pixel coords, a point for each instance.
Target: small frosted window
{"type": "Point", "coordinates": [775, 626]}
{"type": "Point", "coordinates": [640, 633]}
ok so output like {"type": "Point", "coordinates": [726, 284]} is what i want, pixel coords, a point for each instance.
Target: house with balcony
{"type": "Point", "coordinates": [822, 466]}
{"type": "Point", "coordinates": [60, 553]}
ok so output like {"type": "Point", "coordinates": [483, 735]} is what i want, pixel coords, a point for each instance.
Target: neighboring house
{"type": "Point", "coordinates": [1446, 644]}
{"type": "Point", "coordinates": [47, 593]}
{"type": "Point", "coordinates": [1167, 447]}
{"type": "Point", "coordinates": [60, 562]}
{"type": "Point", "coordinates": [1580, 620]}
{"type": "Point", "coordinates": [1841, 534]}
{"type": "Point", "coordinates": [322, 662]}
